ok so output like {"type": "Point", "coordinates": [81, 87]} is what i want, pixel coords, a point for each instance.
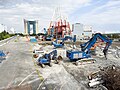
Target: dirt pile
{"type": "Point", "coordinates": [111, 77]}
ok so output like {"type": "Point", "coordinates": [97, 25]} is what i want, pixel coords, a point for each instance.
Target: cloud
{"type": "Point", "coordinates": [102, 17]}
{"type": "Point", "coordinates": [12, 12]}
{"type": "Point", "coordinates": [104, 14]}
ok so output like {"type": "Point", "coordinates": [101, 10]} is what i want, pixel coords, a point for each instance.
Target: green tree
{"type": "Point", "coordinates": [4, 35]}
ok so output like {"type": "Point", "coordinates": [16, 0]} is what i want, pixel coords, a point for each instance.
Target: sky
{"type": "Point", "coordinates": [102, 15]}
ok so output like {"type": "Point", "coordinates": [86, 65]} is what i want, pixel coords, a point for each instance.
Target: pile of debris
{"type": "Point", "coordinates": [111, 77]}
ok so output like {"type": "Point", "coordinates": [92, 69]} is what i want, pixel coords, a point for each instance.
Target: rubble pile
{"type": "Point", "coordinates": [111, 77]}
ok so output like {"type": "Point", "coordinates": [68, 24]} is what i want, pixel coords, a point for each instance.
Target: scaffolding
{"type": "Point", "coordinates": [59, 24]}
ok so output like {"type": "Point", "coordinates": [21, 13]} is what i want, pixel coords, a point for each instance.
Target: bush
{"type": "Point", "coordinates": [5, 35]}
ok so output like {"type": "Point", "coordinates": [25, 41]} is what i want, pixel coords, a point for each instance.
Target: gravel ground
{"type": "Point", "coordinates": [66, 76]}
{"type": "Point", "coordinates": [81, 72]}
{"type": "Point", "coordinates": [19, 64]}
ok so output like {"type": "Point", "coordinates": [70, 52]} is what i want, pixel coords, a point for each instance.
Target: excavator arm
{"type": "Point", "coordinates": [61, 44]}
{"type": "Point", "coordinates": [86, 46]}
{"type": "Point", "coordinates": [95, 45]}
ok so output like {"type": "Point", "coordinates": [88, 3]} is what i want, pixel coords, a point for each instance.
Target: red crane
{"type": "Point", "coordinates": [61, 28]}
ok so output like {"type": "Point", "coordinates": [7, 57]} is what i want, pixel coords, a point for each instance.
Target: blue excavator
{"type": "Point", "coordinates": [75, 55]}
{"type": "Point", "coordinates": [61, 44]}
{"type": "Point", "coordinates": [2, 56]}
{"type": "Point", "coordinates": [47, 57]}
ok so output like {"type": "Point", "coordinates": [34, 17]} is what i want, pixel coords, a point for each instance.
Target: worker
{"type": "Point", "coordinates": [105, 53]}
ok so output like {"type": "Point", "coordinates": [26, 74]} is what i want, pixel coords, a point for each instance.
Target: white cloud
{"type": "Point", "coordinates": [110, 4]}
{"type": "Point", "coordinates": [110, 14]}
{"type": "Point", "coordinates": [15, 11]}
{"type": "Point", "coordinates": [43, 10]}
{"type": "Point", "coordinates": [104, 18]}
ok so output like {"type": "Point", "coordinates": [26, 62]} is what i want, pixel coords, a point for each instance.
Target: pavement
{"type": "Point", "coordinates": [19, 69]}
{"type": "Point", "coordinates": [18, 63]}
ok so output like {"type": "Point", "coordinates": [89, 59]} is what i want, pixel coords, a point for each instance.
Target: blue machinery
{"type": "Point", "coordinates": [74, 55]}
{"type": "Point", "coordinates": [61, 44]}
{"type": "Point", "coordinates": [46, 59]}
{"type": "Point", "coordinates": [2, 54]}
{"type": "Point", "coordinates": [33, 40]}
{"type": "Point", "coordinates": [51, 36]}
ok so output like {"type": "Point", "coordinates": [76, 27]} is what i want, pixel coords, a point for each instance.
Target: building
{"type": "Point", "coordinates": [87, 31]}
{"type": "Point", "coordinates": [3, 27]}
{"type": "Point", "coordinates": [31, 27]}
{"type": "Point", "coordinates": [82, 31]}
{"type": "Point", "coordinates": [78, 30]}
{"type": "Point", "coordinates": [11, 31]}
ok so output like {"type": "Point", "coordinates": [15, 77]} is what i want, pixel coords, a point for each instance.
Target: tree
{"type": "Point", "coordinates": [4, 35]}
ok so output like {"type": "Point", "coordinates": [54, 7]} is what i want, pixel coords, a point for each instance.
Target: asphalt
{"type": "Point", "coordinates": [18, 63]}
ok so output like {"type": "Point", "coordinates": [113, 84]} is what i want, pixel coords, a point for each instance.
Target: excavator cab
{"type": "Point", "coordinates": [46, 58]}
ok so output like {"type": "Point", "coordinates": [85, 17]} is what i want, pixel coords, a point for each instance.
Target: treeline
{"type": "Point", "coordinates": [5, 35]}
{"type": "Point", "coordinates": [113, 36]}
